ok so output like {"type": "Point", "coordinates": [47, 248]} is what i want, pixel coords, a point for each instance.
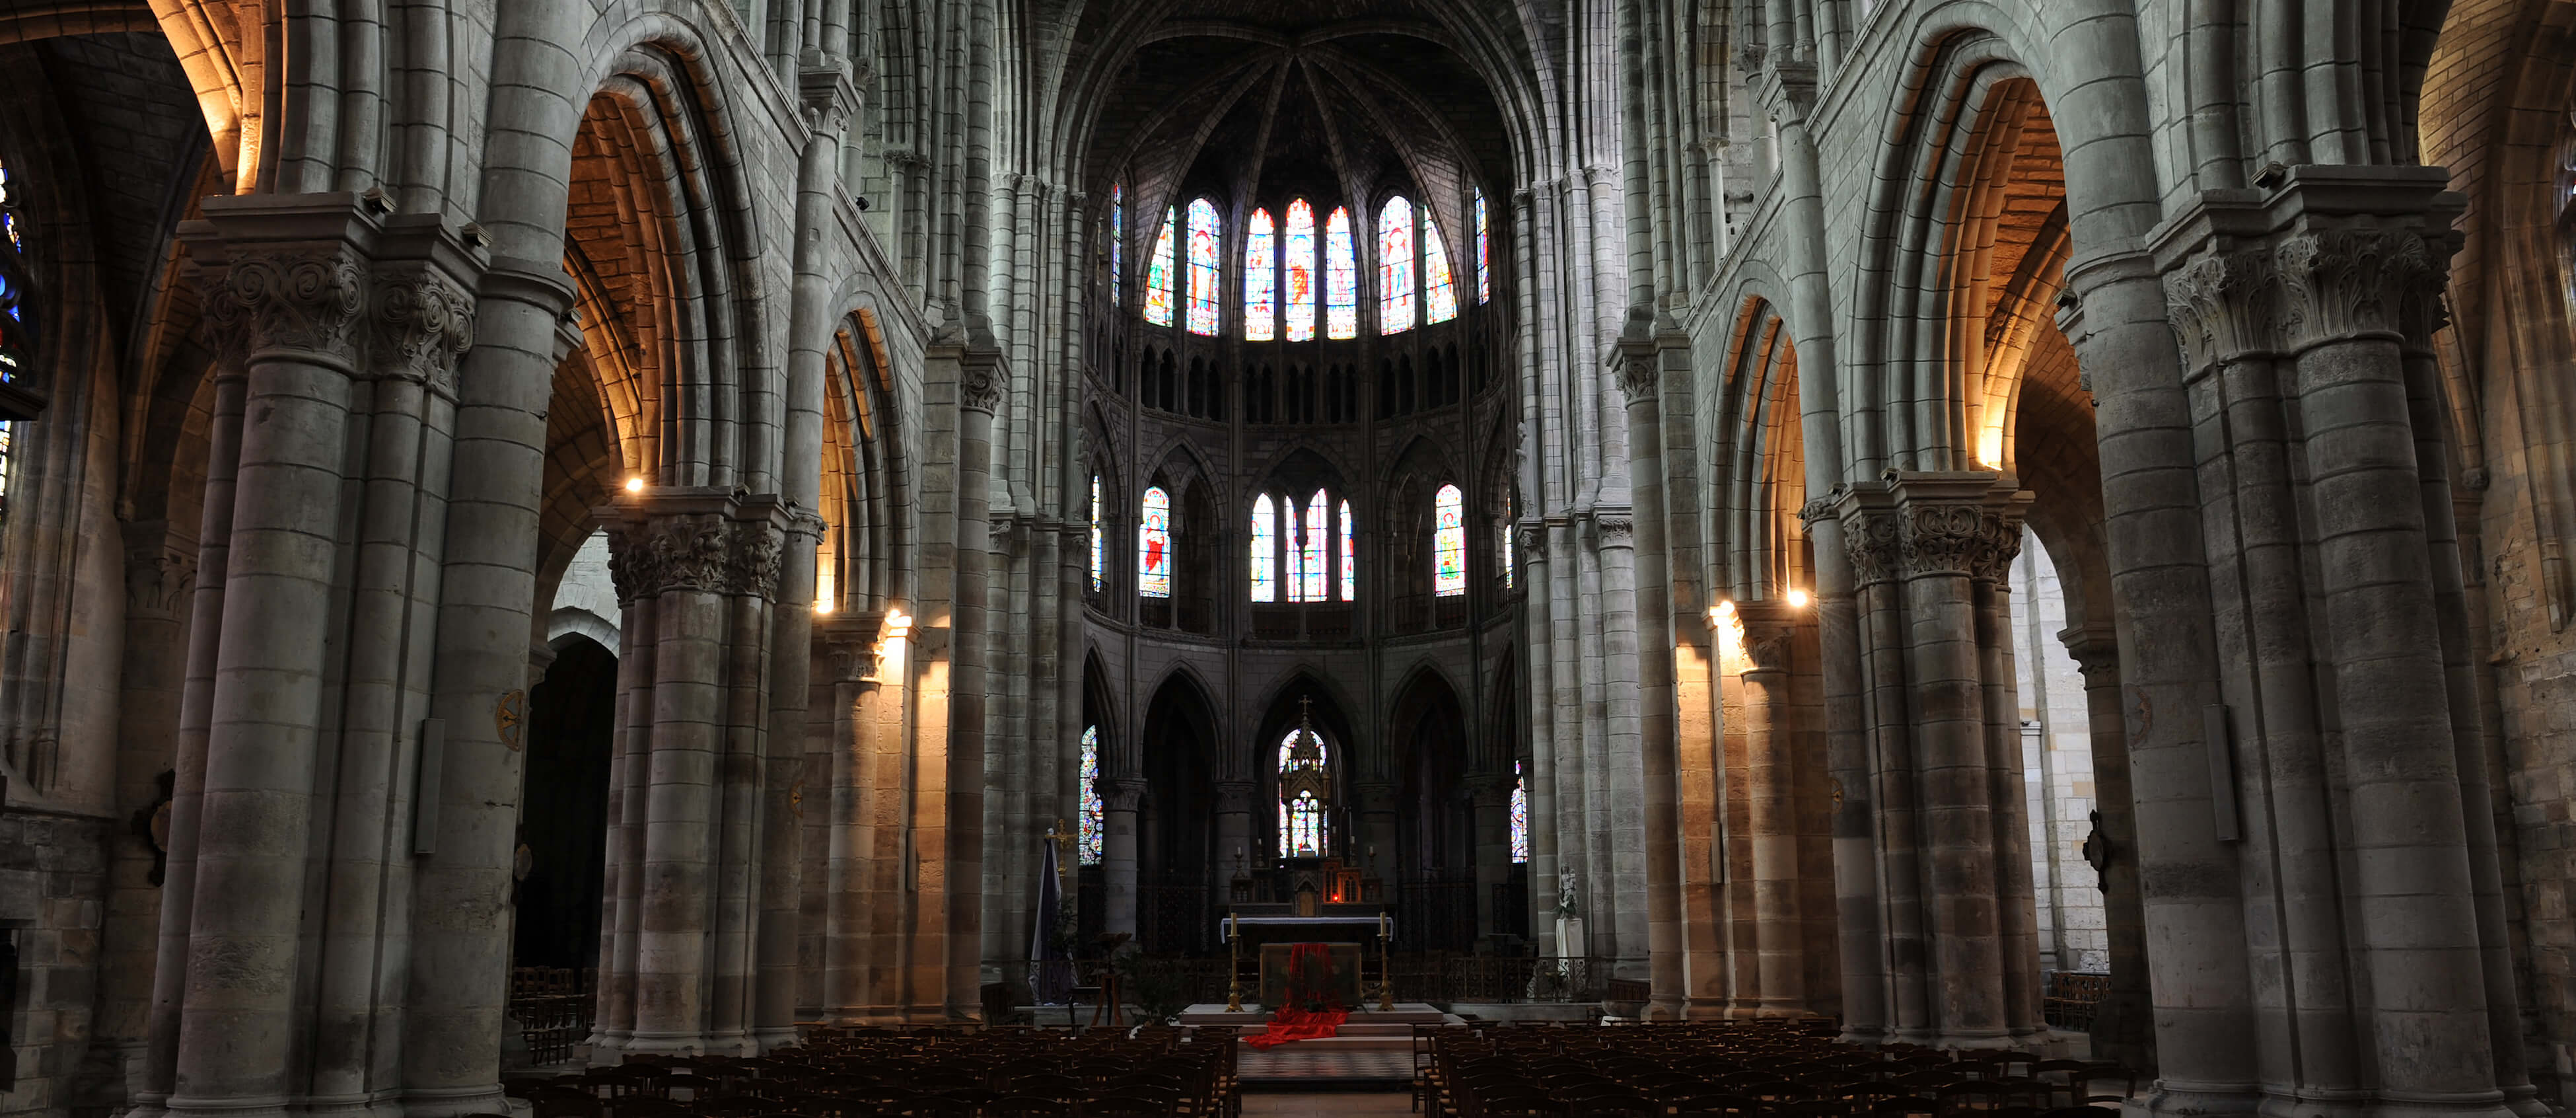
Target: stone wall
{"type": "Point", "coordinates": [53, 876]}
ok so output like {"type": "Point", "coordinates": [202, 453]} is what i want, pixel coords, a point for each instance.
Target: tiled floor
{"type": "Point", "coordinates": [1344, 1105]}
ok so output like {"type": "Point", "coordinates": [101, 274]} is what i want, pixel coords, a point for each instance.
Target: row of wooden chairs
{"type": "Point", "coordinates": [1789, 1070]}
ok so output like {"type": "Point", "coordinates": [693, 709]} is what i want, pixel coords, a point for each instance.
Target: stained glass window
{"type": "Point", "coordinates": [1300, 261]}
{"type": "Point", "coordinates": [1094, 812]}
{"type": "Point", "coordinates": [1395, 266]}
{"type": "Point", "coordinates": [1484, 254]}
{"type": "Point", "coordinates": [1341, 278]}
{"type": "Point", "coordinates": [1305, 789]}
{"type": "Point", "coordinates": [1310, 568]}
{"type": "Point", "coordinates": [1350, 558]}
{"type": "Point", "coordinates": [1117, 243]}
{"type": "Point", "coordinates": [1301, 827]}
{"type": "Point", "coordinates": [1260, 281]}
{"type": "Point", "coordinates": [1439, 288]}
{"type": "Point", "coordinates": [1203, 267]}
{"type": "Point", "coordinates": [1503, 546]}
{"type": "Point", "coordinates": [1520, 814]}
{"type": "Point", "coordinates": [13, 329]}
{"type": "Point", "coordinates": [1158, 274]}
{"type": "Point", "coordinates": [1154, 545]}
{"type": "Point", "coordinates": [1294, 581]}
{"type": "Point", "coordinates": [1097, 568]}
{"type": "Point", "coordinates": [1265, 550]}
{"type": "Point", "coordinates": [1449, 542]}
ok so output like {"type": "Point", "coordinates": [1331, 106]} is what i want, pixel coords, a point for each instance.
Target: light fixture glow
{"type": "Point", "coordinates": [1722, 612]}
{"type": "Point", "coordinates": [1798, 599]}
{"type": "Point", "coordinates": [635, 485]}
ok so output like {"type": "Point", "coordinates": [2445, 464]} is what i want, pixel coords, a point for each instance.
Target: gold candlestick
{"type": "Point", "coordinates": [1234, 963]}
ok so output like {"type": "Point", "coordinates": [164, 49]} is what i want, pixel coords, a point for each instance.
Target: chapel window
{"type": "Point", "coordinates": [1503, 545]}
{"type": "Point", "coordinates": [1154, 545]}
{"type": "Point", "coordinates": [1439, 288]}
{"type": "Point", "coordinates": [1094, 812]}
{"type": "Point", "coordinates": [1520, 815]}
{"type": "Point", "coordinates": [1305, 792]}
{"type": "Point", "coordinates": [1300, 271]}
{"type": "Point", "coordinates": [1203, 267]}
{"type": "Point", "coordinates": [1341, 278]}
{"type": "Point", "coordinates": [13, 316]}
{"type": "Point", "coordinates": [1260, 280]}
{"type": "Point", "coordinates": [1449, 542]}
{"type": "Point", "coordinates": [1265, 550]}
{"type": "Point", "coordinates": [1350, 557]}
{"type": "Point", "coordinates": [1484, 253]}
{"type": "Point", "coordinates": [1117, 243]}
{"type": "Point", "coordinates": [1395, 266]}
{"type": "Point", "coordinates": [1097, 567]}
{"type": "Point", "coordinates": [1158, 272]}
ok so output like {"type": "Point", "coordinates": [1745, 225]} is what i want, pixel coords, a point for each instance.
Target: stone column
{"type": "Point", "coordinates": [981, 379]}
{"type": "Point", "coordinates": [852, 641]}
{"type": "Point", "coordinates": [227, 337]}
{"type": "Point", "coordinates": [1770, 777]}
{"type": "Point", "coordinates": [1378, 820]}
{"type": "Point", "coordinates": [1640, 367]}
{"type": "Point", "coordinates": [1884, 892]}
{"type": "Point", "coordinates": [301, 282]}
{"type": "Point", "coordinates": [1118, 853]}
{"type": "Point", "coordinates": [2124, 1024]}
{"type": "Point", "coordinates": [2206, 1034]}
{"type": "Point", "coordinates": [883, 725]}
{"type": "Point", "coordinates": [1536, 642]}
{"type": "Point", "coordinates": [1491, 797]}
{"type": "Point", "coordinates": [1618, 789]}
{"type": "Point", "coordinates": [2007, 792]}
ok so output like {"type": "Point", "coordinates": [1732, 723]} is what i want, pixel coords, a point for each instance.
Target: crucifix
{"type": "Point", "coordinates": [1064, 847]}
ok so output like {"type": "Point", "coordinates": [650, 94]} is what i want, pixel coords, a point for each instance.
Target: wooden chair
{"type": "Point", "coordinates": [565, 1102]}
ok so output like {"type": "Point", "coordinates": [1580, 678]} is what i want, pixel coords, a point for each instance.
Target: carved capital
{"type": "Point", "coordinates": [1869, 538]}
{"type": "Point", "coordinates": [223, 326]}
{"type": "Point", "coordinates": [1616, 531]}
{"type": "Point", "coordinates": [2224, 306]}
{"type": "Point", "coordinates": [1640, 375]}
{"type": "Point", "coordinates": [1939, 538]}
{"type": "Point", "coordinates": [1766, 645]}
{"type": "Point", "coordinates": [1816, 509]}
{"type": "Point", "coordinates": [1533, 541]}
{"type": "Point", "coordinates": [2344, 283]}
{"type": "Point", "coordinates": [1122, 794]}
{"type": "Point", "coordinates": [979, 383]}
{"type": "Point", "coordinates": [652, 557]}
{"type": "Point", "coordinates": [751, 561]}
{"type": "Point", "coordinates": [2096, 652]}
{"type": "Point", "coordinates": [158, 581]}
{"type": "Point", "coordinates": [423, 322]}
{"type": "Point", "coordinates": [300, 299]}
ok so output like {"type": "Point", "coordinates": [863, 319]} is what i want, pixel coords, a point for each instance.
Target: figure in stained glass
{"type": "Point", "coordinates": [1094, 812]}
{"type": "Point", "coordinates": [1265, 550]}
{"type": "Point", "coordinates": [1158, 273]}
{"type": "Point", "coordinates": [1395, 260]}
{"type": "Point", "coordinates": [1439, 288]}
{"type": "Point", "coordinates": [1204, 280]}
{"type": "Point", "coordinates": [1260, 281]}
{"type": "Point", "coordinates": [1449, 542]}
{"type": "Point", "coordinates": [1350, 557]}
{"type": "Point", "coordinates": [1300, 271]}
{"type": "Point", "coordinates": [1154, 545]}
{"type": "Point", "coordinates": [1341, 278]}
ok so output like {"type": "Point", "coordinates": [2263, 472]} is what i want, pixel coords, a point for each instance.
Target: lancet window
{"type": "Point", "coordinates": [1260, 280]}
{"type": "Point", "coordinates": [1395, 260]}
{"type": "Point", "coordinates": [1094, 812]}
{"type": "Point", "coordinates": [1265, 550]}
{"type": "Point", "coordinates": [1204, 279]}
{"type": "Point", "coordinates": [1294, 547]}
{"type": "Point", "coordinates": [1305, 793]}
{"type": "Point", "coordinates": [1298, 263]}
{"type": "Point", "coordinates": [1117, 244]}
{"type": "Point", "coordinates": [1449, 542]}
{"type": "Point", "coordinates": [14, 310]}
{"type": "Point", "coordinates": [1097, 567]}
{"type": "Point", "coordinates": [1484, 253]}
{"type": "Point", "coordinates": [1158, 272]}
{"type": "Point", "coordinates": [1341, 278]}
{"type": "Point", "coordinates": [1154, 545]}
{"type": "Point", "coordinates": [1520, 814]}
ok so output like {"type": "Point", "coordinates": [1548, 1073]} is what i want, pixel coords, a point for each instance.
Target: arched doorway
{"type": "Point", "coordinates": [563, 828]}
{"type": "Point", "coordinates": [1175, 819]}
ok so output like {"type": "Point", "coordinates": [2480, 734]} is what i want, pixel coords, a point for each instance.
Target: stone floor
{"type": "Point", "coordinates": [1342, 1105]}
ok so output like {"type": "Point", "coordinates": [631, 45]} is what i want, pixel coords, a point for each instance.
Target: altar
{"type": "Point", "coordinates": [1355, 939]}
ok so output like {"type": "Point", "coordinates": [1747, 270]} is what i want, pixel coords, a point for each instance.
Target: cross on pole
{"type": "Point", "coordinates": [1064, 843]}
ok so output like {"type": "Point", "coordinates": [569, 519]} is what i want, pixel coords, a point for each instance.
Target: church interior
{"type": "Point", "coordinates": [1183, 558]}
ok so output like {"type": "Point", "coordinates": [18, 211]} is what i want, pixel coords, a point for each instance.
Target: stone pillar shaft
{"type": "Point", "coordinates": [1770, 819]}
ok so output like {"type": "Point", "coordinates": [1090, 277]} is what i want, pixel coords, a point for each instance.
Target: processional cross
{"type": "Point", "coordinates": [1064, 847]}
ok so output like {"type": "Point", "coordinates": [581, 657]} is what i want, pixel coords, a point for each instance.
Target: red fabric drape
{"type": "Point", "coordinates": [1310, 982]}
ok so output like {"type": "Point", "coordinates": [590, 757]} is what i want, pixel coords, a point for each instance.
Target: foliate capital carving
{"type": "Point", "coordinates": [223, 326]}
{"type": "Point", "coordinates": [158, 581]}
{"type": "Point", "coordinates": [1533, 540]}
{"type": "Point", "coordinates": [1870, 543]}
{"type": "Point", "coordinates": [424, 321]}
{"type": "Point", "coordinates": [751, 561]}
{"type": "Point", "coordinates": [1616, 531]}
{"type": "Point", "coordinates": [979, 383]}
{"type": "Point", "coordinates": [1640, 375]}
{"type": "Point", "coordinates": [2340, 283]}
{"type": "Point", "coordinates": [2224, 306]}
{"type": "Point", "coordinates": [303, 299]}
{"type": "Point", "coordinates": [649, 558]}
{"type": "Point", "coordinates": [2096, 652]}
{"type": "Point", "coordinates": [1971, 539]}
{"type": "Point", "coordinates": [1766, 645]}
{"type": "Point", "coordinates": [1815, 510]}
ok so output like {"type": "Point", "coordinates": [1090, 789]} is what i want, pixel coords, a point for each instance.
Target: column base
{"type": "Point", "coordinates": [448, 1102]}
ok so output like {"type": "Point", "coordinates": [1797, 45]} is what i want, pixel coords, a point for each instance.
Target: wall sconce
{"type": "Point", "coordinates": [635, 485]}
{"type": "Point", "coordinates": [1797, 599]}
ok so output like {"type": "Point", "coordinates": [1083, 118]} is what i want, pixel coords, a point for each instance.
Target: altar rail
{"type": "Point", "coordinates": [1438, 978]}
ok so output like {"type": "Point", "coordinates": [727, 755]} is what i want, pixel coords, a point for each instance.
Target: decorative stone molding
{"type": "Point", "coordinates": [1957, 538]}
{"type": "Point", "coordinates": [2341, 283]}
{"type": "Point", "coordinates": [1616, 531]}
{"type": "Point", "coordinates": [2223, 306]}
{"type": "Point", "coordinates": [1815, 510]}
{"type": "Point", "coordinates": [423, 322]}
{"type": "Point", "coordinates": [979, 383]}
{"type": "Point", "coordinates": [650, 558]}
{"type": "Point", "coordinates": [306, 300]}
{"type": "Point", "coordinates": [1870, 544]}
{"type": "Point", "coordinates": [751, 562]}
{"type": "Point", "coordinates": [158, 581]}
{"type": "Point", "coordinates": [1123, 794]}
{"type": "Point", "coordinates": [2095, 650]}
{"type": "Point", "coordinates": [1766, 646]}
{"type": "Point", "coordinates": [223, 327]}
{"type": "Point", "coordinates": [1640, 375]}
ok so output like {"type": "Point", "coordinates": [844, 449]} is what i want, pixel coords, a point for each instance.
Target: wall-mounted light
{"type": "Point", "coordinates": [635, 485]}
{"type": "Point", "coordinates": [1797, 599]}
{"type": "Point", "coordinates": [1721, 613]}
{"type": "Point", "coordinates": [898, 624]}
